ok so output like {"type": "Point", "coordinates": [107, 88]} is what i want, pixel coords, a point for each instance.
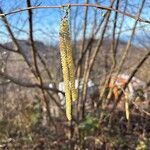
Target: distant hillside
{"type": "Point", "coordinates": [101, 67]}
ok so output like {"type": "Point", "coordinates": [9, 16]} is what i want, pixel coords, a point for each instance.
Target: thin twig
{"type": "Point", "coordinates": [39, 76]}
{"type": "Point", "coordinates": [95, 51]}
{"type": "Point", "coordinates": [72, 5]}
{"type": "Point", "coordinates": [20, 82]}
{"type": "Point", "coordinates": [140, 109]}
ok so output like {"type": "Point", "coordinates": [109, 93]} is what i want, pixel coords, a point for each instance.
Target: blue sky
{"type": "Point", "coordinates": [46, 21]}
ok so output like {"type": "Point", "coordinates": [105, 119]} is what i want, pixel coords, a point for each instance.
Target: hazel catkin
{"type": "Point", "coordinates": [70, 60]}
{"type": "Point", "coordinates": [65, 68]}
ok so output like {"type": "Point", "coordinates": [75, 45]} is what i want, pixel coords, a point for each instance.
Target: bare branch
{"type": "Point", "coordinates": [17, 46]}
{"type": "Point", "coordinates": [83, 5]}
{"type": "Point", "coordinates": [8, 49]}
{"type": "Point", "coordinates": [29, 84]}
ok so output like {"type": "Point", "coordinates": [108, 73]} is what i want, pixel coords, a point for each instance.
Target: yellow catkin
{"type": "Point", "coordinates": [70, 60]}
{"type": "Point", "coordinates": [127, 105]}
{"type": "Point", "coordinates": [65, 69]}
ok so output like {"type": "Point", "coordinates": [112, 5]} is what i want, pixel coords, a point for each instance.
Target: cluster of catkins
{"type": "Point", "coordinates": [67, 65]}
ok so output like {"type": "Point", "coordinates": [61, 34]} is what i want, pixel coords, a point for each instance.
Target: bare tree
{"type": "Point", "coordinates": [105, 43]}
